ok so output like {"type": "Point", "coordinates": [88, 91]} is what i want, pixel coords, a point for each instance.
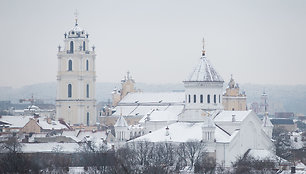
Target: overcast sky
{"type": "Point", "coordinates": [158, 41]}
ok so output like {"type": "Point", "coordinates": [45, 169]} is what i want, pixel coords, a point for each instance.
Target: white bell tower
{"type": "Point", "coordinates": [76, 77]}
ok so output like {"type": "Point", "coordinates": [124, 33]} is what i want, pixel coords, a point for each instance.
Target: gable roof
{"type": "Point", "coordinates": [182, 132]}
{"type": "Point", "coordinates": [121, 122]}
{"type": "Point", "coordinates": [16, 121]}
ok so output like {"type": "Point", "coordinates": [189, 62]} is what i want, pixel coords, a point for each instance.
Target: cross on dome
{"type": "Point", "coordinates": [203, 50]}
{"type": "Point", "coordinates": [204, 71]}
{"type": "Point", "coordinates": [76, 14]}
{"type": "Point", "coordinates": [76, 31]}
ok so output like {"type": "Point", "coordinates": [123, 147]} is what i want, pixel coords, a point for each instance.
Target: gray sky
{"type": "Point", "coordinates": [159, 41]}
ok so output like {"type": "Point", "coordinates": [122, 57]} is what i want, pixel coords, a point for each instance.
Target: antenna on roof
{"type": "Point", "coordinates": [203, 49]}
{"type": "Point", "coordinates": [76, 14]}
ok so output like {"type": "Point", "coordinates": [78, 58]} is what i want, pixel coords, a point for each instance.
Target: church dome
{"type": "Point", "coordinates": [77, 32]}
{"type": "Point", "coordinates": [204, 72]}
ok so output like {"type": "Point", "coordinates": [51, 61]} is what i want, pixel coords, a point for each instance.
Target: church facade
{"type": "Point", "coordinates": [227, 134]}
{"type": "Point", "coordinates": [76, 77]}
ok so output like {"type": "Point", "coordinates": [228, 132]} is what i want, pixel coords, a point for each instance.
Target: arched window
{"type": "Point", "coordinates": [194, 98]}
{"type": "Point", "coordinates": [71, 47]}
{"type": "Point", "coordinates": [87, 120]}
{"type": "Point", "coordinates": [208, 98]}
{"type": "Point", "coordinates": [83, 45]}
{"type": "Point", "coordinates": [189, 98]}
{"type": "Point", "coordinates": [215, 98]}
{"type": "Point", "coordinates": [69, 90]}
{"type": "Point", "coordinates": [70, 65]}
{"type": "Point", "coordinates": [201, 98]}
{"type": "Point", "coordinates": [87, 65]}
{"type": "Point", "coordinates": [87, 90]}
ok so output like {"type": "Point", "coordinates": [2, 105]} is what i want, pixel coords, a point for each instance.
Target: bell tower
{"type": "Point", "coordinates": [76, 77]}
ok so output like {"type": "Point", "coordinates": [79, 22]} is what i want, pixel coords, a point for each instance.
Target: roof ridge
{"type": "Point", "coordinates": [223, 129]}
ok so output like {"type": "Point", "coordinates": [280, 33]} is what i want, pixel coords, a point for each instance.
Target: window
{"type": "Point", "coordinates": [87, 64]}
{"type": "Point", "coordinates": [87, 120]}
{"type": "Point", "coordinates": [219, 99]}
{"type": "Point", "coordinates": [215, 98]}
{"type": "Point", "coordinates": [83, 45]}
{"type": "Point", "coordinates": [71, 47]}
{"type": "Point", "coordinates": [189, 98]}
{"type": "Point", "coordinates": [201, 98]}
{"type": "Point", "coordinates": [208, 98]}
{"type": "Point", "coordinates": [87, 90]}
{"type": "Point", "coordinates": [69, 90]}
{"type": "Point", "coordinates": [194, 98]}
{"type": "Point", "coordinates": [70, 65]}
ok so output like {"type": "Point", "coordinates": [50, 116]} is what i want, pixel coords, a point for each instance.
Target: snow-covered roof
{"type": "Point", "coordinates": [143, 110]}
{"type": "Point", "coordinates": [56, 125]}
{"type": "Point", "coordinates": [157, 115]}
{"type": "Point", "coordinates": [16, 121]}
{"type": "Point", "coordinates": [49, 147]}
{"type": "Point", "coordinates": [262, 154]}
{"type": "Point", "coordinates": [121, 122]}
{"type": "Point", "coordinates": [21, 121]}
{"type": "Point", "coordinates": [182, 132]}
{"type": "Point", "coordinates": [81, 135]}
{"type": "Point", "coordinates": [300, 166]}
{"type": "Point", "coordinates": [204, 72]}
{"type": "Point", "coordinates": [226, 116]}
{"type": "Point", "coordinates": [153, 97]}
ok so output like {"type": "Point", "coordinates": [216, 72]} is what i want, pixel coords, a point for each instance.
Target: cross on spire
{"type": "Point", "coordinates": [76, 14]}
{"type": "Point", "coordinates": [203, 49]}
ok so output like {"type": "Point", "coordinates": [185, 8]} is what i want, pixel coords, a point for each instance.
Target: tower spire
{"type": "Point", "coordinates": [203, 49]}
{"type": "Point", "coordinates": [76, 14]}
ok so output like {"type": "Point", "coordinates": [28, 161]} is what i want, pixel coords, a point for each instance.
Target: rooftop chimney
{"type": "Point", "coordinates": [167, 131]}
{"type": "Point", "coordinates": [233, 118]}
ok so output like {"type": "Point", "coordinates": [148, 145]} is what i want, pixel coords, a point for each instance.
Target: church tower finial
{"type": "Point", "coordinates": [203, 49]}
{"type": "Point", "coordinates": [76, 14]}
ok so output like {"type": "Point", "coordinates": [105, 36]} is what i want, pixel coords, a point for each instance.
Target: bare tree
{"type": "Point", "coordinates": [12, 160]}
{"type": "Point", "coordinates": [191, 151]}
{"type": "Point", "coordinates": [248, 164]}
{"type": "Point", "coordinates": [282, 143]}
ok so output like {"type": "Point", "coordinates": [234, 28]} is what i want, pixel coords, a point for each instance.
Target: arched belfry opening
{"type": "Point", "coordinates": [71, 46]}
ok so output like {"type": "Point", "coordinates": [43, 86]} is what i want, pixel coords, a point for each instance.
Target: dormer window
{"type": "Point", "coordinates": [72, 32]}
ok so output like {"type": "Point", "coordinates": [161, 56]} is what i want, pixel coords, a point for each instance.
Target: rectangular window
{"type": "Point", "coordinates": [215, 98]}
{"type": "Point", "coordinates": [219, 99]}
{"type": "Point", "coordinates": [208, 98]}
{"type": "Point", "coordinates": [194, 98]}
{"type": "Point", "coordinates": [188, 98]}
{"type": "Point", "coordinates": [201, 98]}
